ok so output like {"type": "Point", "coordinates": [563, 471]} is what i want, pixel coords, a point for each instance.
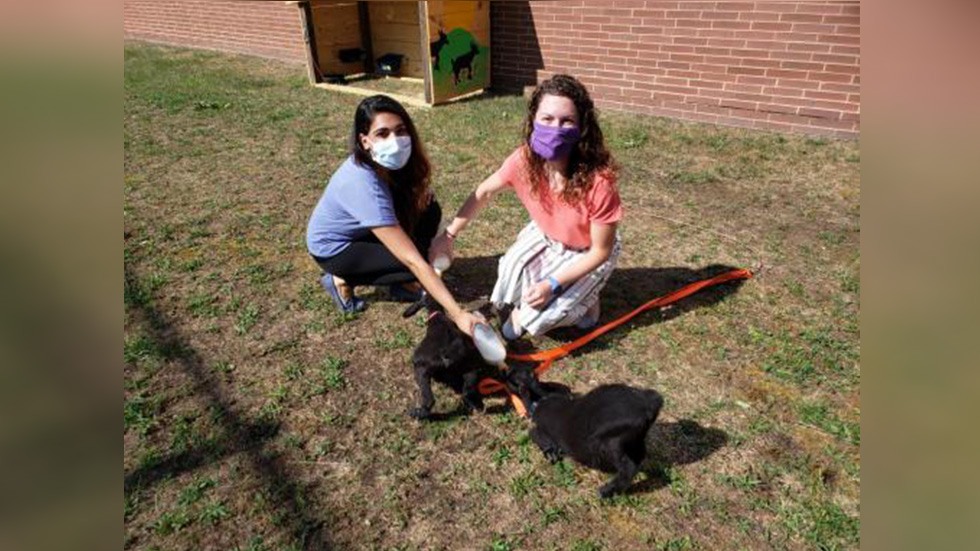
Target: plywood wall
{"type": "Point", "coordinates": [395, 29]}
{"type": "Point", "coordinates": [459, 48]}
{"type": "Point", "coordinates": [336, 26]}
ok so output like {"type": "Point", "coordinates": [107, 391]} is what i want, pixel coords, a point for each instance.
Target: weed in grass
{"type": "Point", "coordinates": [183, 433]}
{"type": "Point", "coordinates": [435, 430]}
{"type": "Point", "coordinates": [258, 274]}
{"type": "Point", "coordinates": [500, 543]}
{"type": "Point", "coordinates": [745, 482]}
{"type": "Point", "coordinates": [501, 456]}
{"type": "Point", "coordinates": [332, 371]}
{"type": "Point", "coordinates": [401, 339]}
{"type": "Point", "coordinates": [209, 104]}
{"type": "Point", "coordinates": [140, 413]}
{"type": "Point", "coordinates": [525, 483]}
{"type": "Point", "coordinates": [818, 414]}
{"type": "Point", "coordinates": [717, 142]}
{"type": "Point", "coordinates": [681, 488]}
{"type": "Point", "coordinates": [257, 543]}
{"type": "Point", "coordinates": [214, 512]}
{"type": "Point", "coordinates": [293, 440]}
{"type": "Point", "coordinates": [155, 281]}
{"type": "Point", "coordinates": [823, 524]}
{"type": "Point", "coordinates": [564, 474]}
{"type": "Point", "coordinates": [293, 371]}
{"type": "Point", "coordinates": [247, 318]}
{"type": "Point", "coordinates": [330, 377]}
{"type": "Point", "coordinates": [553, 514]}
{"type": "Point", "coordinates": [315, 325]}
{"type": "Point", "coordinates": [586, 545]}
{"type": "Point", "coordinates": [697, 177]}
{"type": "Point", "coordinates": [849, 282]}
{"type": "Point", "coordinates": [139, 348]}
{"type": "Point", "coordinates": [202, 304]}
{"type": "Point", "coordinates": [172, 521]}
{"type": "Point", "coordinates": [812, 356]}
{"type": "Point", "coordinates": [796, 289]}
{"type": "Point", "coordinates": [676, 544]}
{"type": "Point", "coordinates": [135, 295]}
{"type": "Point", "coordinates": [194, 491]}
{"type": "Point", "coordinates": [630, 138]}
{"type": "Point", "coordinates": [223, 366]}
{"type": "Point", "coordinates": [191, 265]}
{"type": "Point", "coordinates": [322, 448]}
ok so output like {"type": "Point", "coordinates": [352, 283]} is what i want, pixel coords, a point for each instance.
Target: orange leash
{"type": "Point", "coordinates": [545, 358]}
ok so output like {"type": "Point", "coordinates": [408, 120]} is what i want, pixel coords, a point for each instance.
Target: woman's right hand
{"type": "Point", "coordinates": [466, 321]}
{"type": "Point", "coordinates": [442, 245]}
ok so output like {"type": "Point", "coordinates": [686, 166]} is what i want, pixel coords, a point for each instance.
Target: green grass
{"type": "Point", "coordinates": [257, 416]}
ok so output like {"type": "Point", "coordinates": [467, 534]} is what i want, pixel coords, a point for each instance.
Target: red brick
{"type": "Point", "coordinates": [803, 17]}
{"type": "Point", "coordinates": [743, 25]}
{"type": "Point", "coordinates": [828, 96]}
{"type": "Point", "coordinates": [807, 47]}
{"type": "Point", "coordinates": [758, 16]}
{"type": "Point", "coordinates": [842, 19]}
{"type": "Point", "coordinates": [802, 84]}
{"type": "Point", "coordinates": [693, 23]}
{"type": "Point", "coordinates": [823, 9]}
{"type": "Point", "coordinates": [746, 71]}
{"type": "Point", "coordinates": [846, 69]}
{"type": "Point", "coordinates": [803, 65]}
{"type": "Point", "coordinates": [829, 77]}
{"type": "Point", "coordinates": [785, 73]}
{"type": "Point", "coordinates": [776, 108]}
{"type": "Point", "coordinates": [744, 88]}
{"type": "Point", "coordinates": [839, 39]}
{"type": "Point", "coordinates": [771, 26]}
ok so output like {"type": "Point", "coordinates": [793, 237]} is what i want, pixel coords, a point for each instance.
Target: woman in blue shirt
{"type": "Point", "coordinates": [376, 219]}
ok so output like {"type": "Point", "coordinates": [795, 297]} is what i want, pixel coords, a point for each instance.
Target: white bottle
{"type": "Point", "coordinates": [440, 264]}
{"type": "Point", "coordinates": [489, 344]}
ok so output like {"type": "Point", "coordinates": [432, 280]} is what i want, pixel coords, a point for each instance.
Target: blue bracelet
{"type": "Point", "coordinates": [555, 286]}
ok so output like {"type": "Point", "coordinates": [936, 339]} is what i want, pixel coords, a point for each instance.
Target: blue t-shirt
{"type": "Point", "coordinates": [355, 201]}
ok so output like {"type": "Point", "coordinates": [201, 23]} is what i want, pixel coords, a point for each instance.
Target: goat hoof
{"type": "Point", "coordinates": [607, 492]}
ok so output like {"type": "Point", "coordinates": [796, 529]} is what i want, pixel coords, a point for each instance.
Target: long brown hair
{"type": "Point", "coordinates": [410, 184]}
{"type": "Point", "coordinates": [587, 159]}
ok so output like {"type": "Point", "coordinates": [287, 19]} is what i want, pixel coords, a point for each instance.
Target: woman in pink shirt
{"type": "Point", "coordinates": [566, 179]}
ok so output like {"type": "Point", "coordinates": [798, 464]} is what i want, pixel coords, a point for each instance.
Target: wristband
{"type": "Point", "coordinates": [555, 286]}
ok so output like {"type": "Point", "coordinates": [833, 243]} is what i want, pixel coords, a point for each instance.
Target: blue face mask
{"type": "Point", "coordinates": [392, 153]}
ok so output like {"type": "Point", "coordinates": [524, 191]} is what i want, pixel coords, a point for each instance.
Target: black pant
{"type": "Point", "coordinates": [368, 262]}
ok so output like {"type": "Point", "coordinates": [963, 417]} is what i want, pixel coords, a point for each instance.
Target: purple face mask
{"type": "Point", "coordinates": [553, 142]}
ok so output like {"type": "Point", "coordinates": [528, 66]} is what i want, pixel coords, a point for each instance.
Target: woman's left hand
{"type": "Point", "coordinates": [538, 296]}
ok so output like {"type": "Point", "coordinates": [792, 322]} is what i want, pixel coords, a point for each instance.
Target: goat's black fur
{"type": "Point", "coordinates": [604, 429]}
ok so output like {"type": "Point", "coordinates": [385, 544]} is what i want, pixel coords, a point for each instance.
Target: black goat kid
{"type": "Point", "coordinates": [605, 429]}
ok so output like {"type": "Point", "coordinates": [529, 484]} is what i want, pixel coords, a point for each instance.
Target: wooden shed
{"type": "Point", "coordinates": [421, 53]}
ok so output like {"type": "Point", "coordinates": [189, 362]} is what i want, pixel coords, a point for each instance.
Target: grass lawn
{"type": "Point", "coordinates": [258, 418]}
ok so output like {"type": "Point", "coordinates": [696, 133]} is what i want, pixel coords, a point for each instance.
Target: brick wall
{"type": "Point", "coordinates": [791, 66]}
{"type": "Point", "coordinates": [267, 29]}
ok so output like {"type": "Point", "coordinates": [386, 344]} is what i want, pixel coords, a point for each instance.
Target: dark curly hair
{"type": "Point", "coordinates": [410, 184]}
{"type": "Point", "coordinates": [588, 159]}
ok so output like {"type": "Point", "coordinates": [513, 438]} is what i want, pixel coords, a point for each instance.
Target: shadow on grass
{"type": "Point", "coordinates": [241, 436]}
{"type": "Point", "coordinates": [672, 444]}
{"type": "Point", "coordinates": [627, 289]}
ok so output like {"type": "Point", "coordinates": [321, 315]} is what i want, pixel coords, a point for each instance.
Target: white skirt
{"type": "Point", "coordinates": [533, 258]}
